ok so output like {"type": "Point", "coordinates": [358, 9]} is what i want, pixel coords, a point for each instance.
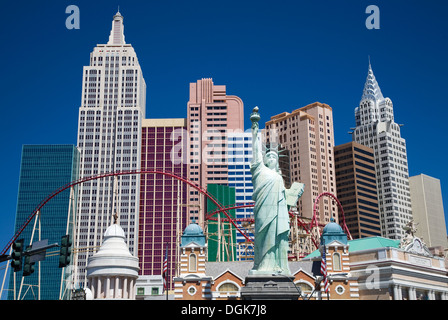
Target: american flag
{"type": "Point", "coordinates": [165, 269]}
{"type": "Point", "coordinates": [323, 270]}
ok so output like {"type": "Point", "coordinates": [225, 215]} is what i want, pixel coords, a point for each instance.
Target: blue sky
{"type": "Point", "coordinates": [278, 55]}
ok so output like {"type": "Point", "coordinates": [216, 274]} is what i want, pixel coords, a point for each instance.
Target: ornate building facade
{"type": "Point", "coordinates": [372, 268]}
{"type": "Point", "coordinates": [376, 128]}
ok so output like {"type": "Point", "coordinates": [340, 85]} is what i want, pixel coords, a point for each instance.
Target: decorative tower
{"type": "Point", "coordinates": [117, 33]}
{"type": "Point", "coordinates": [113, 270]}
{"type": "Point", "coordinates": [192, 283]}
{"type": "Point", "coordinates": [376, 128]}
{"type": "Point", "coordinates": [341, 284]}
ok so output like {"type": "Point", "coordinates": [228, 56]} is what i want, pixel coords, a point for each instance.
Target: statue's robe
{"type": "Point", "coordinates": [271, 221]}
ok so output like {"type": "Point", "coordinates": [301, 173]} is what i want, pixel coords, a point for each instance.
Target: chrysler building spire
{"type": "Point", "coordinates": [371, 90]}
{"type": "Point", "coordinates": [117, 33]}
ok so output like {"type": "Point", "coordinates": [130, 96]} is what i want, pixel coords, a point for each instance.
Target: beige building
{"type": "Point", "coordinates": [427, 210]}
{"type": "Point", "coordinates": [307, 133]}
{"type": "Point", "coordinates": [387, 271]}
{"type": "Point", "coordinates": [378, 268]}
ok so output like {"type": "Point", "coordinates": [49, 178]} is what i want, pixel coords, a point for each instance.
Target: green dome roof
{"type": "Point", "coordinates": [333, 231]}
{"type": "Point", "coordinates": [193, 229]}
{"type": "Point", "coordinates": [193, 233]}
{"type": "Point", "coordinates": [333, 228]}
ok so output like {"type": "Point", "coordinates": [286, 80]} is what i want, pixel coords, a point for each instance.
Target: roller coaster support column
{"type": "Point", "coordinates": [68, 283]}
{"type": "Point", "coordinates": [36, 225]}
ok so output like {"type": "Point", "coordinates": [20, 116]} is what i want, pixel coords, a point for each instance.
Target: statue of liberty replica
{"type": "Point", "coordinates": [272, 228]}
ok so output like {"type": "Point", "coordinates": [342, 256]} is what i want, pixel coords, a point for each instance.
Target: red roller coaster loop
{"type": "Point", "coordinates": [314, 222]}
{"type": "Point", "coordinates": [113, 174]}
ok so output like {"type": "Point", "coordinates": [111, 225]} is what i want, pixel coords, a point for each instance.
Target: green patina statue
{"type": "Point", "coordinates": [271, 208]}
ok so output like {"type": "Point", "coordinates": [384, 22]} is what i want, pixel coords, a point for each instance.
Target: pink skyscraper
{"type": "Point", "coordinates": [211, 115]}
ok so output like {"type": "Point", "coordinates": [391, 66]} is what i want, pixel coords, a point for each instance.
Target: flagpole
{"type": "Point", "coordinates": [323, 270]}
{"type": "Point", "coordinates": [167, 278]}
{"type": "Point", "coordinates": [165, 272]}
{"type": "Point", "coordinates": [326, 275]}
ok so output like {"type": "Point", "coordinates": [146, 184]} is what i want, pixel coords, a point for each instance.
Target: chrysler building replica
{"type": "Point", "coordinates": [376, 128]}
{"type": "Point", "coordinates": [109, 139]}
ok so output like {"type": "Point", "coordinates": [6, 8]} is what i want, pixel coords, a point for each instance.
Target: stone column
{"type": "Point", "coordinates": [93, 286]}
{"type": "Point", "coordinates": [117, 288]}
{"type": "Point", "coordinates": [107, 293]}
{"type": "Point", "coordinates": [125, 288]}
{"type": "Point", "coordinates": [412, 295]}
{"type": "Point", "coordinates": [397, 292]}
{"type": "Point", "coordinates": [99, 288]}
{"type": "Point", "coordinates": [131, 290]}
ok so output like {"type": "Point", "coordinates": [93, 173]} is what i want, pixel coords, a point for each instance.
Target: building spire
{"type": "Point", "coordinates": [371, 90]}
{"type": "Point", "coordinates": [117, 33]}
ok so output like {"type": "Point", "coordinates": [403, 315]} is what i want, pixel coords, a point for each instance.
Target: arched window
{"type": "Point", "coordinates": [192, 263]}
{"type": "Point", "coordinates": [228, 287]}
{"type": "Point", "coordinates": [336, 262]}
{"type": "Point", "coordinates": [304, 287]}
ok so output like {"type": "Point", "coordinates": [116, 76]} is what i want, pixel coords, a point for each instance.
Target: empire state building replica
{"type": "Point", "coordinates": [109, 139]}
{"type": "Point", "coordinates": [377, 129]}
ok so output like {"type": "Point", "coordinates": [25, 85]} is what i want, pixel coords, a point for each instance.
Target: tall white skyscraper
{"type": "Point", "coordinates": [109, 138]}
{"type": "Point", "coordinates": [376, 128]}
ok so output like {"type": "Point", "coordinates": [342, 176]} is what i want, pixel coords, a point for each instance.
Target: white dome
{"type": "Point", "coordinates": [113, 257]}
{"type": "Point", "coordinates": [114, 231]}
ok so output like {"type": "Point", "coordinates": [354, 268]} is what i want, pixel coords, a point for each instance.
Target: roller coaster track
{"type": "Point", "coordinates": [209, 216]}
{"type": "Point", "coordinates": [113, 174]}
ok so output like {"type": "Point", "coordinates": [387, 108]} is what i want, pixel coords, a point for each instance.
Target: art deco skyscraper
{"type": "Point", "coordinates": [109, 138]}
{"type": "Point", "coordinates": [376, 128]}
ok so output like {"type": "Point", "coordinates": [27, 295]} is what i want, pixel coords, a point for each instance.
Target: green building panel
{"type": "Point", "coordinates": [221, 240]}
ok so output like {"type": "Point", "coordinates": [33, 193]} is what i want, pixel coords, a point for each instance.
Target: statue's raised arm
{"type": "Point", "coordinates": [256, 152]}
